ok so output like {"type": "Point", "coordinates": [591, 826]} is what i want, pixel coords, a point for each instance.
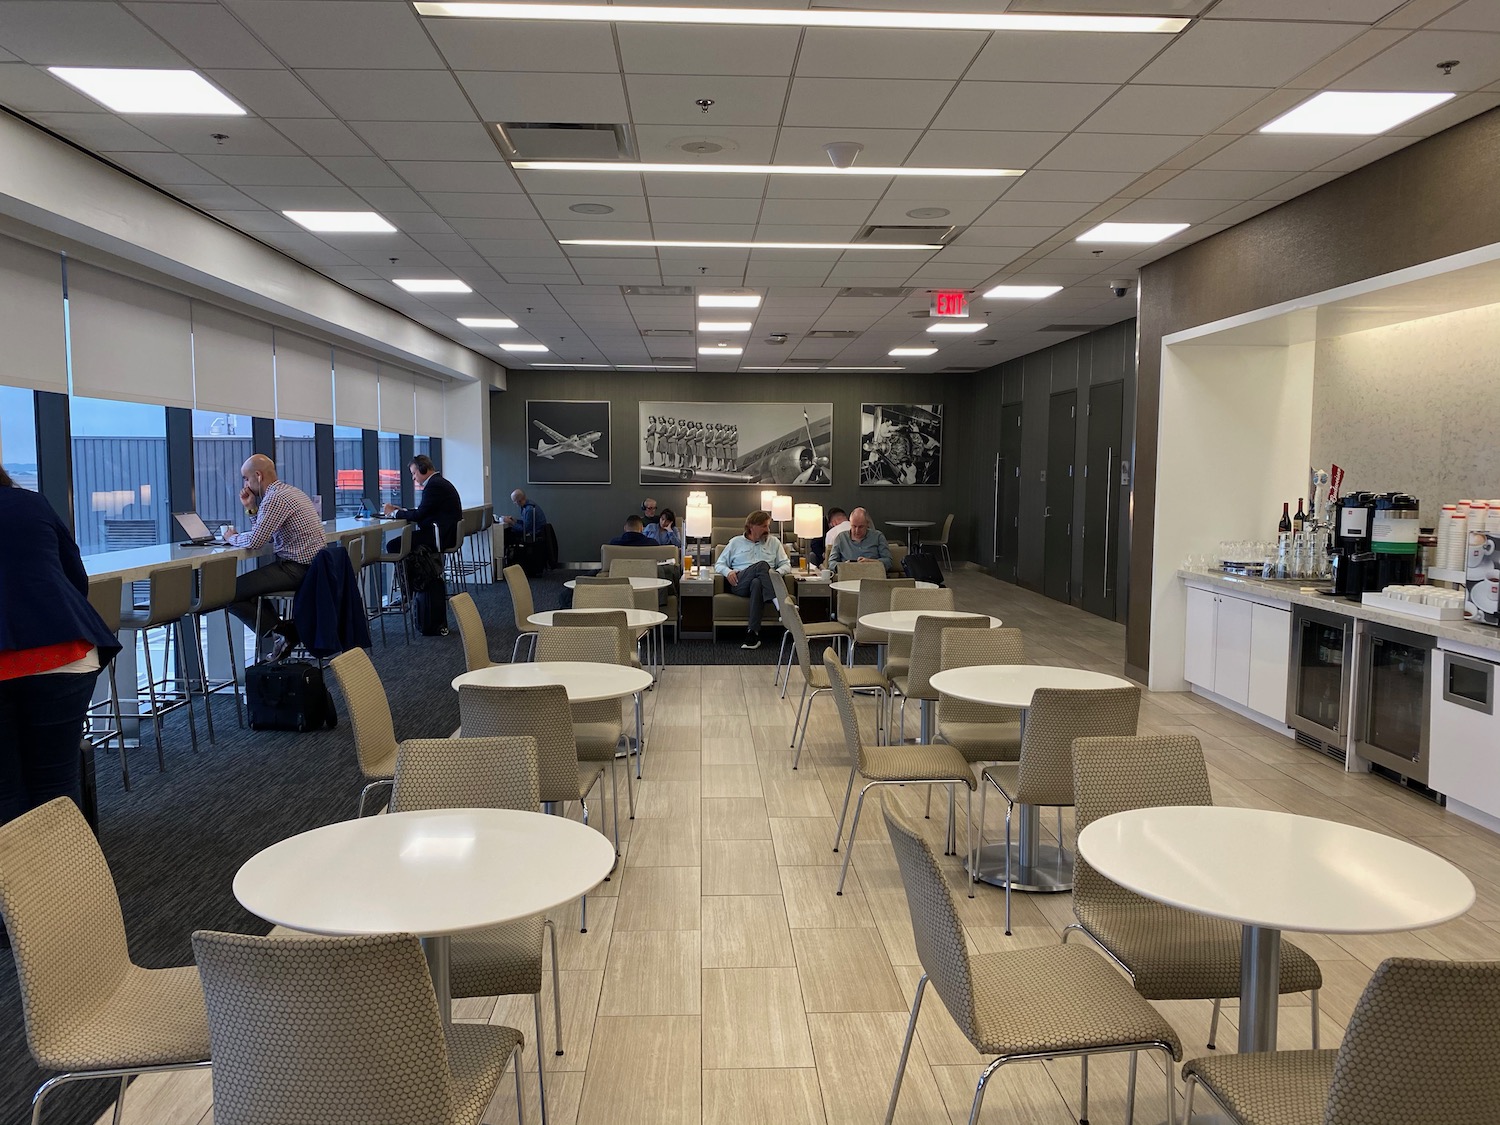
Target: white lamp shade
{"type": "Point", "coordinates": [781, 508]}
{"type": "Point", "coordinates": [699, 523]}
{"type": "Point", "coordinates": [767, 500]}
{"type": "Point", "coordinates": [808, 521]}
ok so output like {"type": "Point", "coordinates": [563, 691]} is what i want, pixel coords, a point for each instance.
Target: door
{"type": "Point", "coordinates": [1057, 529]}
{"type": "Point", "coordinates": [1101, 498]}
{"type": "Point", "coordinates": [1198, 651]}
{"type": "Point", "coordinates": [1008, 494]}
{"type": "Point", "coordinates": [1232, 649]}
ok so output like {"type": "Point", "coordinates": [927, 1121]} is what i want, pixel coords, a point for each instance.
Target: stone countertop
{"type": "Point", "coordinates": [1485, 637]}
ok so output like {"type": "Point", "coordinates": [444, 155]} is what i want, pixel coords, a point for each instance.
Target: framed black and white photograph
{"type": "Point", "coordinates": [567, 442]}
{"type": "Point", "coordinates": [901, 443]}
{"type": "Point", "coordinates": [725, 443]}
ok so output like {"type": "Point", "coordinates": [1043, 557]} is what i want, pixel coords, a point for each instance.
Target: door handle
{"type": "Point", "coordinates": [1109, 469]}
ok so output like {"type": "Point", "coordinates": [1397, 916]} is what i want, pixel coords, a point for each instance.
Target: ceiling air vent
{"type": "Point", "coordinates": [831, 334]}
{"type": "Point", "coordinates": [668, 333]}
{"type": "Point", "coordinates": [657, 290]}
{"type": "Point", "coordinates": [562, 140]}
{"type": "Point", "coordinates": [1073, 327]}
{"type": "Point", "coordinates": [906, 234]}
{"type": "Point", "coordinates": [954, 370]}
{"type": "Point", "coordinates": [875, 291]}
{"type": "Point", "coordinates": [658, 360]}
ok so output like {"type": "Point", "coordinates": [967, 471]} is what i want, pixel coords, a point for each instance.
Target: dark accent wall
{"type": "Point", "coordinates": [1438, 197]}
{"type": "Point", "coordinates": [586, 515]}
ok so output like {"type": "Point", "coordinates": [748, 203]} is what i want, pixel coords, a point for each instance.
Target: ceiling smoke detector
{"type": "Point", "coordinates": [701, 146]}
{"type": "Point", "coordinates": [928, 213]}
{"type": "Point", "coordinates": [843, 154]}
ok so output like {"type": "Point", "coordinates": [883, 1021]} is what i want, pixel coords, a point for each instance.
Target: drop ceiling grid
{"type": "Point", "coordinates": [366, 104]}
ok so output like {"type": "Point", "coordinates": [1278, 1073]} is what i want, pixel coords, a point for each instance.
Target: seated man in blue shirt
{"type": "Point", "coordinates": [634, 534]}
{"type": "Point", "coordinates": [861, 542]}
{"type": "Point", "coordinates": [746, 565]}
{"type": "Point", "coordinates": [525, 527]}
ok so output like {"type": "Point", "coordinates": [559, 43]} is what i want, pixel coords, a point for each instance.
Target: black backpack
{"type": "Point", "coordinates": [923, 566]}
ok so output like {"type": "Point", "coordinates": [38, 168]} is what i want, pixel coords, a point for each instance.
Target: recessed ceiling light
{"type": "Point", "coordinates": [1021, 292]}
{"type": "Point", "coordinates": [686, 245]}
{"type": "Point", "coordinates": [1131, 232]}
{"type": "Point", "coordinates": [363, 222]}
{"type": "Point", "coordinates": [525, 348]}
{"type": "Point", "coordinates": [592, 208]}
{"type": "Point", "coordinates": [774, 17]}
{"type": "Point", "coordinates": [729, 300]}
{"type": "Point", "coordinates": [912, 351]}
{"type": "Point", "coordinates": [725, 326]}
{"type": "Point", "coordinates": [487, 322]}
{"type": "Point", "coordinates": [722, 349]}
{"type": "Point", "coordinates": [758, 169]}
{"type": "Point", "coordinates": [958, 326]}
{"type": "Point", "coordinates": [928, 213]}
{"type": "Point", "coordinates": [1354, 112]}
{"type": "Point", "coordinates": [150, 91]}
{"type": "Point", "coordinates": [432, 285]}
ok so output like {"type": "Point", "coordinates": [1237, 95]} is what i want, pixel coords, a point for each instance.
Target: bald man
{"type": "Point", "coordinates": [528, 525]}
{"type": "Point", "coordinates": [860, 542]}
{"type": "Point", "coordinates": [286, 519]}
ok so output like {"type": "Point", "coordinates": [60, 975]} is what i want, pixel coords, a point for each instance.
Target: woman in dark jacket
{"type": "Point", "coordinates": [52, 646]}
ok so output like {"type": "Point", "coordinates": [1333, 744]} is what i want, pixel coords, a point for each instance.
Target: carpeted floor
{"type": "Point", "coordinates": [176, 839]}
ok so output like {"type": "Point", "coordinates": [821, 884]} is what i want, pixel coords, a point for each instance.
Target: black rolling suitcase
{"type": "Point", "coordinates": [430, 610]}
{"type": "Point", "coordinates": [923, 566]}
{"type": "Point", "coordinates": [288, 696]}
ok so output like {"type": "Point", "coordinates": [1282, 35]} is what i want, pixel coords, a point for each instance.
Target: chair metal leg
{"type": "Point", "coordinates": [859, 807]}
{"type": "Point", "coordinates": [1314, 996]}
{"type": "Point", "coordinates": [911, 1028]}
{"type": "Point", "coordinates": [981, 1088]}
{"type": "Point", "coordinates": [120, 1099]}
{"type": "Point", "coordinates": [520, 1105]}
{"type": "Point", "coordinates": [1213, 1027]}
{"type": "Point", "coordinates": [551, 929]}
{"type": "Point", "coordinates": [144, 634]}
{"type": "Point", "coordinates": [119, 721]}
{"type": "Point", "coordinates": [780, 658]}
{"type": "Point", "coordinates": [1009, 808]}
{"type": "Point", "coordinates": [614, 799]}
{"type": "Point", "coordinates": [384, 782]}
{"type": "Point", "coordinates": [806, 722]}
{"type": "Point", "coordinates": [838, 832]}
{"type": "Point", "coordinates": [208, 711]}
{"type": "Point", "coordinates": [541, 1076]}
{"type": "Point", "coordinates": [234, 670]}
{"type": "Point", "coordinates": [1083, 1093]}
{"type": "Point", "coordinates": [1135, 1057]}
{"type": "Point", "coordinates": [1187, 1106]}
{"type": "Point", "coordinates": [979, 834]}
{"type": "Point", "coordinates": [187, 684]}
{"type": "Point", "coordinates": [796, 723]}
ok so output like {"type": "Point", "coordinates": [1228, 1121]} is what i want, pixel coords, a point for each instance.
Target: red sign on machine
{"type": "Point", "coordinates": [950, 302]}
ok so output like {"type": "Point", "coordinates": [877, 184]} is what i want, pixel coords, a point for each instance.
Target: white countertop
{"type": "Point", "coordinates": [905, 620]}
{"type": "Point", "coordinates": [1013, 685]}
{"type": "Point", "coordinates": [1276, 870]}
{"type": "Point", "coordinates": [584, 681]}
{"type": "Point", "coordinates": [426, 873]}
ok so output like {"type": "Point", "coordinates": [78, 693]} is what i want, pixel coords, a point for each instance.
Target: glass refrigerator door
{"type": "Point", "coordinates": [1398, 681]}
{"type": "Point", "coordinates": [1320, 673]}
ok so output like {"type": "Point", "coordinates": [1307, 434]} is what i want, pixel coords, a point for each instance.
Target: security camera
{"type": "Point", "coordinates": [1119, 286]}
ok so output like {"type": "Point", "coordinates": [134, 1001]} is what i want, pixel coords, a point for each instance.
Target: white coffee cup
{"type": "Point", "coordinates": [226, 530]}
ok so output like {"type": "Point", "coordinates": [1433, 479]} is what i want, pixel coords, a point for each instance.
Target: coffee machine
{"type": "Point", "coordinates": [1354, 569]}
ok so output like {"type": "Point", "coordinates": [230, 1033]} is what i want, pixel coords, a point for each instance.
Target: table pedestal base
{"type": "Point", "coordinates": [1260, 987]}
{"type": "Point", "coordinates": [1049, 872]}
{"type": "Point", "coordinates": [437, 950]}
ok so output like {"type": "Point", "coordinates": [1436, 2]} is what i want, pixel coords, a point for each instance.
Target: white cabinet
{"type": "Point", "coordinates": [1464, 741]}
{"type": "Point", "coordinates": [1238, 648]}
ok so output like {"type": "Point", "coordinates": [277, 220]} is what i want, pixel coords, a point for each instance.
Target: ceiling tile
{"type": "Point", "coordinates": [665, 99]}
{"type": "Point", "coordinates": [865, 103]}
{"type": "Point", "coordinates": [838, 212]}
{"type": "Point", "coordinates": [26, 88]}
{"type": "Point", "coordinates": [1295, 187]}
{"type": "Point", "coordinates": [241, 136]}
{"type": "Point", "coordinates": [1024, 236]}
{"type": "Point", "coordinates": [99, 132]}
{"type": "Point", "coordinates": [1084, 187]}
{"type": "Point", "coordinates": [494, 205]}
{"type": "Point", "coordinates": [457, 175]}
{"type": "Point", "coordinates": [166, 168]}
{"type": "Point", "coordinates": [986, 190]}
{"type": "Point", "coordinates": [285, 171]}
{"type": "Point", "coordinates": [1245, 53]}
{"type": "Point", "coordinates": [477, 227]}
{"type": "Point", "coordinates": [1450, 113]}
{"type": "Point", "coordinates": [1193, 184]}
{"type": "Point", "coordinates": [206, 33]}
{"type": "Point", "coordinates": [391, 199]}
{"type": "Point", "coordinates": [312, 250]}
{"type": "Point", "coordinates": [584, 98]}
{"type": "Point", "coordinates": [703, 184]}
{"type": "Point", "coordinates": [216, 197]}
{"type": "Point", "coordinates": [519, 248]}
{"type": "Point", "coordinates": [524, 45]}
{"type": "Point", "coordinates": [1170, 210]}
{"type": "Point", "coordinates": [340, 33]}
{"type": "Point", "coordinates": [664, 49]}
{"type": "Point", "coordinates": [584, 184]}
{"type": "Point", "coordinates": [1279, 153]}
{"type": "Point", "coordinates": [872, 53]}
{"type": "Point", "coordinates": [427, 140]}
{"type": "Point", "coordinates": [992, 257]}
{"type": "Point", "coordinates": [421, 225]}
{"type": "Point", "coordinates": [390, 95]}
{"type": "Point", "coordinates": [1347, 11]}
{"type": "Point", "coordinates": [1471, 15]}
{"type": "Point", "coordinates": [696, 232]}
{"type": "Point", "coordinates": [1053, 56]}
{"type": "Point", "coordinates": [1021, 105]}
{"type": "Point", "coordinates": [1410, 64]}
{"type": "Point", "coordinates": [826, 187]}
{"type": "Point", "coordinates": [253, 222]}
{"type": "Point", "coordinates": [1009, 213]}
{"type": "Point", "coordinates": [80, 34]}
{"type": "Point", "coordinates": [1190, 111]}
{"type": "Point", "coordinates": [1370, 150]}
{"type": "Point", "coordinates": [955, 148]}
{"type": "Point", "coordinates": [322, 137]}
{"type": "Point", "coordinates": [959, 210]}
{"type": "Point", "coordinates": [740, 144]}
{"type": "Point", "coordinates": [310, 198]}
{"type": "Point", "coordinates": [705, 210]}
{"type": "Point", "coordinates": [1115, 152]}
{"type": "Point", "coordinates": [1242, 211]}
{"type": "Point", "coordinates": [270, 93]}
{"type": "Point", "coordinates": [804, 232]}
{"type": "Point", "coordinates": [888, 147]}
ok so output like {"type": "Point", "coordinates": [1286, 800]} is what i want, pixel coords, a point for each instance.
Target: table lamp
{"type": "Point", "coordinates": [781, 511]}
{"type": "Point", "coordinates": [807, 523]}
{"type": "Point", "coordinates": [699, 521]}
{"type": "Point", "coordinates": [767, 499]}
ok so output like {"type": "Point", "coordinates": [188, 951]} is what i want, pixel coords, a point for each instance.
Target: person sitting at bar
{"type": "Point", "coordinates": [525, 527]}
{"type": "Point", "coordinates": [633, 535]}
{"type": "Point", "coordinates": [746, 564]}
{"type": "Point", "coordinates": [861, 542]}
{"type": "Point", "coordinates": [286, 519]}
{"type": "Point", "coordinates": [439, 513]}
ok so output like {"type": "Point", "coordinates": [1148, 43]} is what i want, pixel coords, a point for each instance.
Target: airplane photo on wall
{"type": "Point", "coordinates": [754, 443]}
{"type": "Point", "coordinates": [567, 442]}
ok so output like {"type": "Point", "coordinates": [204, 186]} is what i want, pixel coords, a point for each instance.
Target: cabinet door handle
{"type": "Point", "coordinates": [1109, 468]}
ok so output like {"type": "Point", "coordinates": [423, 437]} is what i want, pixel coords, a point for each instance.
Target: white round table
{"type": "Point", "coordinates": [429, 873]}
{"type": "Point", "coordinates": [912, 526]}
{"type": "Point", "coordinates": [851, 586]}
{"type": "Point", "coordinates": [635, 583]}
{"type": "Point", "coordinates": [634, 618]}
{"type": "Point", "coordinates": [905, 620]}
{"type": "Point", "coordinates": [1034, 866]}
{"type": "Point", "coordinates": [1273, 871]}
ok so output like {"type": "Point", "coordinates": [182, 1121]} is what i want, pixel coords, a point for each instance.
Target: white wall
{"type": "Point", "coordinates": [1235, 437]}
{"type": "Point", "coordinates": [466, 444]}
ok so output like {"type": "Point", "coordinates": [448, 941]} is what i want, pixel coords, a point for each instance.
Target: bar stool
{"type": "Point", "coordinates": [397, 561]}
{"type": "Point", "coordinates": [487, 539]}
{"type": "Point", "coordinates": [452, 555]}
{"type": "Point", "coordinates": [104, 596]}
{"type": "Point", "coordinates": [216, 581]}
{"type": "Point", "coordinates": [171, 600]}
{"type": "Point", "coordinates": [355, 545]}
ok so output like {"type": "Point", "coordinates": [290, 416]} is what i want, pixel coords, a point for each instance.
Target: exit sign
{"type": "Point", "coordinates": [949, 302]}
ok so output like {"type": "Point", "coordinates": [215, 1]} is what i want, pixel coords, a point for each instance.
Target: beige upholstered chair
{"type": "Point", "coordinates": [104, 596]}
{"type": "Point", "coordinates": [940, 542]}
{"type": "Point", "coordinates": [596, 726]}
{"type": "Point", "coordinates": [311, 1030]}
{"type": "Point", "coordinates": [662, 598]}
{"type": "Point", "coordinates": [834, 632]}
{"type": "Point", "coordinates": [89, 1010]}
{"type": "Point", "coordinates": [1019, 1004]}
{"type": "Point", "coordinates": [1170, 954]}
{"type": "Point", "coordinates": [898, 645]}
{"type": "Point", "coordinates": [978, 731]}
{"type": "Point", "coordinates": [892, 765]}
{"type": "Point", "coordinates": [542, 714]}
{"type": "Point", "coordinates": [625, 650]}
{"type": "Point", "coordinates": [370, 716]}
{"type": "Point", "coordinates": [471, 632]}
{"type": "Point", "coordinates": [863, 680]}
{"type": "Point", "coordinates": [926, 662]}
{"type": "Point", "coordinates": [1420, 1049]}
{"type": "Point", "coordinates": [847, 608]}
{"type": "Point", "coordinates": [486, 773]}
{"type": "Point", "coordinates": [729, 609]}
{"type": "Point", "coordinates": [898, 559]}
{"type": "Point", "coordinates": [875, 597]}
{"type": "Point", "coordinates": [171, 600]}
{"type": "Point", "coordinates": [1043, 775]}
{"type": "Point", "coordinates": [217, 578]}
{"type": "Point", "coordinates": [522, 607]}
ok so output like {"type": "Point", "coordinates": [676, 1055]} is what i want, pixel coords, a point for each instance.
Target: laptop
{"type": "Point", "coordinates": [196, 530]}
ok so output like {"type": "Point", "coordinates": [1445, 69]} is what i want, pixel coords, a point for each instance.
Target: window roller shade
{"type": "Point", "coordinates": [429, 407]}
{"type": "Point", "coordinates": [233, 363]}
{"type": "Point", "coordinates": [34, 355]}
{"type": "Point", "coordinates": [356, 394]}
{"type": "Point", "coordinates": [397, 409]}
{"type": "Point", "coordinates": [304, 379]}
{"type": "Point", "coordinates": [131, 341]}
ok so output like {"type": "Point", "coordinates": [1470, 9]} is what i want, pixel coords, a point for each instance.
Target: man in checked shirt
{"type": "Point", "coordinates": [286, 519]}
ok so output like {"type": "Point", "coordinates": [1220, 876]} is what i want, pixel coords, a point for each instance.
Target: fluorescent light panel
{"type": "Point", "coordinates": [597, 366]}
{"type": "Point", "coordinates": [1021, 292]}
{"type": "Point", "coordinates": [350, 222]}
{"type": "Point", "coordinates": [729, 300]}
{"type": "Point", "coordinates": [178, 92]}
{"type": "Point", "coordinates": [760, 169]}
{"type": "Point", "coordinates": [683, 245]}
{"type": "Point", "coordinates": [487, 322]}
{"type": "Point", "coordinates": [1354, 112]}
{"type": "Point", "coordinates": [525, 348]}
{"type": "Point", "coordinates": [784, 367]}
{"type": "Point", "coordinates": [911, 351]}
{"type": "Point", "coordinates": [870, 368]}
{"type": "Point", "coordinates": [432, 285]}
{"type": "Point", "coordinates": [770, 17]}
{"type": "Point", "coordinates": [721, 351]}
{"type": "Point", "coordinates": [1144, 233]}
{"type": "Point", "coordinates": [653, 367]}
{"type": "Point", "coordinates": [958, 326]}
{"type": "Point", "coordinates": [725, 326]}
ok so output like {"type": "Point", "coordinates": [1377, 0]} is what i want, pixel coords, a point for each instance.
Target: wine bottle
{"type": "Point", "coordinates": [1286, 520]}
{"type": "Point", "coordinates": [1300, 518]}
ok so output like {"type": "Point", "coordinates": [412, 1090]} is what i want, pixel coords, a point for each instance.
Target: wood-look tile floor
{"type": "Point", "coordinates": [722, 982]}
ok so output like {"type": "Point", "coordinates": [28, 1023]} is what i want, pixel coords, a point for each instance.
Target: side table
{"type": "Point", "coordinates": [696, 606]}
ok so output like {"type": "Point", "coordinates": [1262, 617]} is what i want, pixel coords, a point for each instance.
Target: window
{"type": "Point", "coordinates": [390, 469]}
{"type": "Point", "coordinates": [18, 435]}
{"type": "Point", "coordinates": [297, 457]}
{"type": "Point", "coordinates": [120, 497]}
{"type": "Point", "coordinates": [221, 444]}
{"type": "Point", "coordinates": [421, 444]}
{"type": "Point", "coordinates": [348, 469]}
